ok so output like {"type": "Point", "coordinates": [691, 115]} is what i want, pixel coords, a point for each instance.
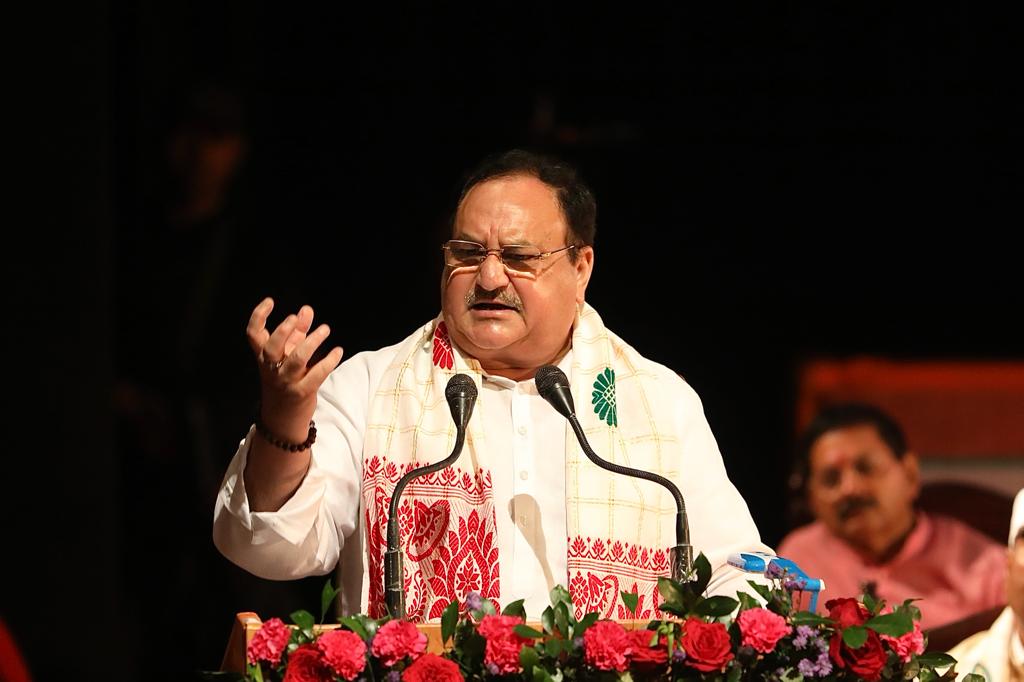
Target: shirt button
{"type": "Point", "coordinates": [524, 475]}
{"type": "Point", "coordinates": [522, 430]}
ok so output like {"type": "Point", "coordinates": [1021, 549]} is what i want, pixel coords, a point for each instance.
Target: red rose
{"type": "Point", "coordinates": [605, 645]}
{"type": "Point", "coordinates": [306, 665]}
{"type": "Point", "coordinates": [846, 612]}
{"type": "Point", "coordinates": [707, 645]}
{"type": "Point", "coordinates": [433, 668]}
{"type": "Point", "coordinates": [344, 652]}
{"type": "Point", "coordinates": [644, 655]}
{"type": "Point", "coordinates": [761, 629]}
{"type": "Point", "coordinates": [865, 661]}
{"type": "Point", "coordinates": [397, 639]}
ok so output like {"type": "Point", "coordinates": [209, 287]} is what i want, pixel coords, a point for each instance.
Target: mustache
{"type": "Point", "coordinates": [851, 505]}
{"type": "Point", "coordinates": [505, 297]}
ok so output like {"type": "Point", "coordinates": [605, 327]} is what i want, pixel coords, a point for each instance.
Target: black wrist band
{"type": "Point", "coordinates": [280, 442]}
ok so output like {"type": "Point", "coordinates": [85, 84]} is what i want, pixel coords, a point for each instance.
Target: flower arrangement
{"type": "Point", "coordinates": [697, 638]}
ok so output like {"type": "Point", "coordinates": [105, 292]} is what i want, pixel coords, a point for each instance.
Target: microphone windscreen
{"type": "Point", "coordinates": [460, 386]}
{"type": "Point", "coordinates": [548, 377]}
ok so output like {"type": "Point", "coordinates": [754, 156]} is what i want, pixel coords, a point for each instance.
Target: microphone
{"type": "Point", "coordinates": [461, 396]}
{"type": "Point", "coordinates": [553, 386]}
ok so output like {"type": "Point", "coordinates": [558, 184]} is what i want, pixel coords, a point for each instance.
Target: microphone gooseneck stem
{"type": "Point", "coordinates": [681, 556]}
{"type": "Point", "coordinates": [394, 582]}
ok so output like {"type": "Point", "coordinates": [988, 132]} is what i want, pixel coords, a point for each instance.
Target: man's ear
{"type": "Point", "coordinates": [912, 470]}
{"type": "Point", "coordinates": [584, 268]}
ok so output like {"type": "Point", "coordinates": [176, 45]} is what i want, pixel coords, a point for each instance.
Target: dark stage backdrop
{"type": "Point", "coordinates": [774, 184]}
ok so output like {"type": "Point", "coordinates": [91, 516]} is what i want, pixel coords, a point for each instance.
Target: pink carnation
{"type": "Point", "coordinates": [503, 645]}
{"type": "Point", "coordinates": [397, 639]}
{"type": "Point", "coordinates": [269, 642]}
{"type": "Point", "coordinates": [344, 652]}
{"type": "Point", "coordinates": [906, 644]}
{"type": "Point", "coordinates": [605, 646]}
{"type": "Point", "coordinates": [762, 629]}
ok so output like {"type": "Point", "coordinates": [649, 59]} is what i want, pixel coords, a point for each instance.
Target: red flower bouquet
{"type": "Point", "coordinates": [697, 637]}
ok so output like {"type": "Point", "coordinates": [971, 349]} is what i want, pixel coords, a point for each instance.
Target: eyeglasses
{"type": "Point", "coordinates": [519, 258]}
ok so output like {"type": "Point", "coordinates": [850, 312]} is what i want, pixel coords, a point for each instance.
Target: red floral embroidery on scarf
{"type": "Point", "coordinates": [596, 568]}
{"type": "Point", "coordinates": [444, 357]}
{"type": "Point", "coordinates": [448, 535]}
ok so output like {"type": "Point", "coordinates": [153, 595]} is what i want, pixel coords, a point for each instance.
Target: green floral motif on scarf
{"type": "Point", "coordinates": [604, 397]}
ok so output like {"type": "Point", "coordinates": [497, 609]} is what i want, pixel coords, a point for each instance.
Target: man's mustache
{"type": "Point", "coordinates": [504, 297]}
{"type": "Point", "coordinates": [851, 505]}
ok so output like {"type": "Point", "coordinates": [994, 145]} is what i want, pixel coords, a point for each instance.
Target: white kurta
{"type": "Point", "coordinates": [315, 530]}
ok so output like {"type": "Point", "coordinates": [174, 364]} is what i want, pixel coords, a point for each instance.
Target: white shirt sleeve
{"type": "Point", "coordinates": [305, 536]}
{"type": "Point", "coordinates": [720, 521]}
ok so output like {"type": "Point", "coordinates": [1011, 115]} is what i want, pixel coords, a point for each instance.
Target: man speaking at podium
{"type": "Point", "coordinates": [522, 509]}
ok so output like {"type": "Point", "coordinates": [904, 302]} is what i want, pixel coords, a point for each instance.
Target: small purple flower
{"type": "Point", "coordinates": [775, 571]}
{"type": "Point", "coordinates": [807, 668]}
{"type": "Point", "coordinates": [492, 668]}
{"type": "Point", "coordinates": [393, 676]}
{"type": "Point", "coordinates": [794, 584]}
{"type": "Point", "coordinates": [821, 644]}
{"type": "Point", "coordinates": [824, 662]}
{"type": "Point", "coordinates": [803, 633]}
{"type": "Point", "coordinates": [678, 656]}
{"type": "Point", "coordinates": [577, 642]}
{"type": "Point", "coordinates": [474, 602]}
{"type": "Point", "coordinates": [820, 667]}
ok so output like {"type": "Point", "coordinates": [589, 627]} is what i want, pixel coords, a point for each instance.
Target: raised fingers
{"type": "Point", "coordinates": [273, 349]}
{"type": "Point", "coordinates": [318, 372]}
{"type": "Point", "coordinates": [256, 330]}
{"type": "Point", "coordinates": [302, 326]}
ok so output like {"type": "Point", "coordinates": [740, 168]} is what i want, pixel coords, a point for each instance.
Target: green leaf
{"type": "Point", "coordinates": [547, 620]}
{"type": "Point", "coordinates": [562, 619]}
{"type": "Point", "coordinates": [355, 626]}
{"type": "Point", "coordinates": [792, 675]}
{"type": "Point", "coordinates": [630, 599]}
{"type": "Point", "coordinates": [870, 603]}
{"type": "Point", "coordinates": [703, 568]}
{"type": "Point", "coordinates": [855, 636]}
{"type": "Point", "coordinates": [809, 618]}
{"type": "Point", "coordinates": [762, 590]}
{"type": "Point", "coordinates": [973, 677]}
{"type": "Point", "coordinates": [746, 601]}
{"type": "Point", "coordinates": [735, 671]}
{"type": "Point", "coordinates": [936, 660]}
{"type": "Point", "coordinates": [304, 619]}
{"type": "Point", "coordinates": [528, 658]}
{"type": "Point", "coordinates": [560, 595]}
{"type": "Point", "coordinates": [716, 606]}
{"type": "Point", "coordinates": [527, 632]}
{"type": "Point", "coordinates": [541, 675]}
{"type": "Point", "coordinates": [553, 647]}
{"type": "Point", "coordinates": [449, 618]}
{"type": "Point", "coordinates": [255, 671]}
{"type": "Point", "coordinates": [487, 608]}
{"type": "Point", "coordinates": [670, 592]}
{"type": "Point", "coordinates": [515, 609]}
{"type": "Point", "coordinates": [625, 676]}
{"type": "Point", "coordinates": [892, 624]}
{"type": "Point", "coordinates": [327, 596]}
{"type": "Point", "coordinates": [585, 623]}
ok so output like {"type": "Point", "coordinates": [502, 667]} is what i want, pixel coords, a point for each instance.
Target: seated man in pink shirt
{"type": "Point", "coordinates": [861, 482]}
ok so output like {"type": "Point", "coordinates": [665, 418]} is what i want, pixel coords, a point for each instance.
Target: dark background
{"type": "Point", "coordinates": [774, 183]}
